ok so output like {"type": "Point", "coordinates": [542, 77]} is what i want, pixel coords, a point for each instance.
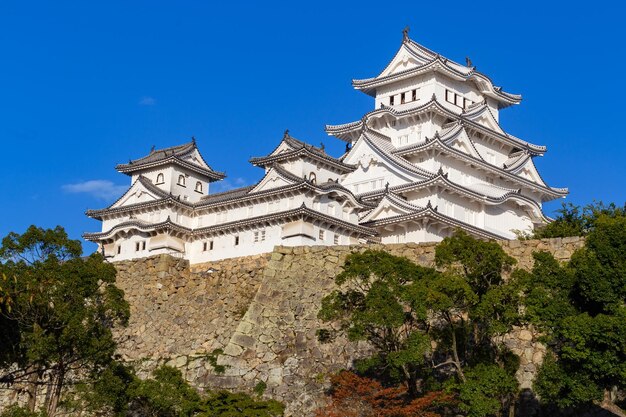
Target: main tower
{"type": "Point", "coordinates": [433, 157]}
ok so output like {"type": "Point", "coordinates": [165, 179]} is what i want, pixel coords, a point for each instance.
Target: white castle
{"type": "Point", "coordinates": [430, 159]}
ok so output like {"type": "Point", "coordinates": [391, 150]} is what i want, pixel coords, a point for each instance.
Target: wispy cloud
{"type": "Point", "coordinates": [100, 189]}
{"type": "Point", "coordinates": [147, 101]}
{"type": "Point", "coordinates": [228, 184]}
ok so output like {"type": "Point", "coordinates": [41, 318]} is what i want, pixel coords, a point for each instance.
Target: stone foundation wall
{"type": "Point", "coordinates": [262, 311]}
{"type": "Point", "coordinates": [177, 311]}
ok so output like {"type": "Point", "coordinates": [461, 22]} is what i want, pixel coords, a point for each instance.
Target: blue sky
{"type": "Point", "coordinates": [86, 85]}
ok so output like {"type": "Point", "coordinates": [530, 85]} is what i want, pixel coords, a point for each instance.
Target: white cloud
{"type": "Point", "coordinates": [101, 189]}
{"type": "Point", "coordinates": [228, 184]}
{"type": "Point", "coordinates": [147, 101]}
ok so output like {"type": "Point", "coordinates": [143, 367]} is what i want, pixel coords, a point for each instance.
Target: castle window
{"type": "Point", "coordinates": [321, 235]}
{"type": "Point", "coordinates": [210, 245]}
{"type": "Point", "coordinates": [259, 236]}
{"type": "Point", "coordinates": [119, 249]}
{"type": "Point", "coordinates": [160, 179]}
{"type": "Point", "coordinates": [137, 246]}
{"type": "Point", "coordinates": [143, 245]}
{"type": "Point", "coordinates": [312, 177]}
{"type": "Point", "coordinates": [336, 239]}
{"type": "Point", "coordinates": [414, 95]}
{"type": "Point", "coordinates": [237, 240]}
{"type": "Point", "coordinates": [450, 96]}
{"type": "Point", "coordinates": [402, 98]}
{"type": "Point", "coordinates": [181, 180]}
{"type": "Point", "coordinates": [199, 186]}
{"type": "Point", "coordinates": [391, 100]}
{"type": "Point", "coordinates": [204, 246]}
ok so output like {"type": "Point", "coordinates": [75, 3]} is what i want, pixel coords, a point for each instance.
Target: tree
{"type": "Point", "coordinates": [581, 308]}
{"type": "Point", "coordinates": [355, 396]}
{"type": "Point", "coordinates": [384, 303]}
{"type": "Point", "coordinates": [58, 310]}
{"type": "Point", "coordinates": [574, 220]}
{"type": "Point", "coordinates": [426, 324]}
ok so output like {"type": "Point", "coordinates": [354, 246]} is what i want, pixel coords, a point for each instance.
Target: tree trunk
{"type": "Point", "coordinates": [608, 404]}
{"type": "Point", "coordinates": [55, 392]}
{"type": "Point", "coordinates": [31, 388]}
{"type": "Point", "coordinates": [455, 354]}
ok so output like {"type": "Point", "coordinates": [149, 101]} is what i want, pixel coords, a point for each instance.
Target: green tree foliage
{"type": "Point", "coordinates": [574, 220]}
{"type": "Point", "coordinates": [383, 302]}
{"type": "Point", "coordinates": [487, 390]}
{"type": "Point", "coordinates": [57, 310]}
{"type": "Point", "coordinates": [16, 411]}
{"type": "Point", "coordinates": [429, 324]}
{"type": "Point", "coordinates": [167, 394]}
{"type": "Point", "coordinates": [119, 392]}
{"type": "Point", "coordinates": [581, 308]}
{"type": "Point", "coordinates": [227, 404]}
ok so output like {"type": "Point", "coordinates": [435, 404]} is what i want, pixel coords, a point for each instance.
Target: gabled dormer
{"type": "Point", "coordinates": [178, 170]}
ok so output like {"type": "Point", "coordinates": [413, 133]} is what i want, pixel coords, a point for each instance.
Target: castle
{"type": "Point", "coordinates": [429, 159]}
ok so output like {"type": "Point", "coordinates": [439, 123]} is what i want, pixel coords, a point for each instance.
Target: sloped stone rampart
{"type": "Point", "coordinates": [262, 311]}
{"type": "Point", "coordinates": [179, 311]}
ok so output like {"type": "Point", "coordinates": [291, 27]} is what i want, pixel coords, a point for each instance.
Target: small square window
{"type": "Point", "coordinates": [321, 235]}
{"type": "Point", "coordinates": [262, 235]}
{"type": "Point", "coordinates": [256, 237]}
{"type": "Point", "coordinates": [336, 239]}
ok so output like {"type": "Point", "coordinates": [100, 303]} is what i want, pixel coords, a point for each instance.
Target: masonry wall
{"type": "Point", "coordinates": [262, 311]}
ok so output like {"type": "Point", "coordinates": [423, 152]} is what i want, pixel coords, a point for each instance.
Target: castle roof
{"type": "Point", "coordinates": [482, 192]}
{"type": "Point", "coordinates": [294, 184]}
{"type": "Point", "coordinates": [406, 212]}
{"type": "Point", "coordinates": [302, 212]}
{"type": "Point", "coordinates": [290, 147]}
{"type": "Point", "coordinates": [186, 155]}
{"type": "Point", "coordinates": [347, 131]}
{"type": "Point", "coordinates": [413, 59]}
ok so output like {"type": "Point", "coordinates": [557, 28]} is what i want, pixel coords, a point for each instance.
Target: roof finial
{"type": "Point", "coordinates": [429, 205]}
{"type": "Point", "coordinates": [286, 134]}
{"type": "Point", "coordinates": [348, 147]}
{"type": "Point", "coordinates": [405, 33]}
{"type": "Point", "coordinates": [152, 149]}
{"type": "Point", "coordinates": [193, 140]}
{"type": "Point", "coordinates": [387, 187]}
{"type": "Point", "coordinates": [322, 147]}
{"type": "Point", "coordinates": [468, 61]}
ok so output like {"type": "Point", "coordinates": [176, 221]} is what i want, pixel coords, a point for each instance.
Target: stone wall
{"type": "Point", "coordinates": [177, 311]}
{"type": "Point", "coordinates": [262, 311]}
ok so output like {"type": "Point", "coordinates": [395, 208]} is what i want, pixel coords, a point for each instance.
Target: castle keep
{"type": "Point", "coordinates": [429, 159]}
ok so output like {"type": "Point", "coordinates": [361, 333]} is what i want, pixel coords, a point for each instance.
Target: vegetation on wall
{"type": "Point", "coordinates": [437, 328]}
{"type": "Point", "coordinates": [57, 311]}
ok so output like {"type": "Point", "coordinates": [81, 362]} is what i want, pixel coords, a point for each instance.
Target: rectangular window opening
{"type": "Point", "coordinates": [236, 240]}
{"type": "Point", "coordinates": [414, 95]}
{"type": "Point", "coordinates": [391, 100]}
{"type": "Point", "coordinates": [321, 235]}
{"type": "Point", "coordinates": [211, 245]}
{"type": "Point", "coordinates": [336, 239]}
{"type": "Point", "coordinates": [402, 98]}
